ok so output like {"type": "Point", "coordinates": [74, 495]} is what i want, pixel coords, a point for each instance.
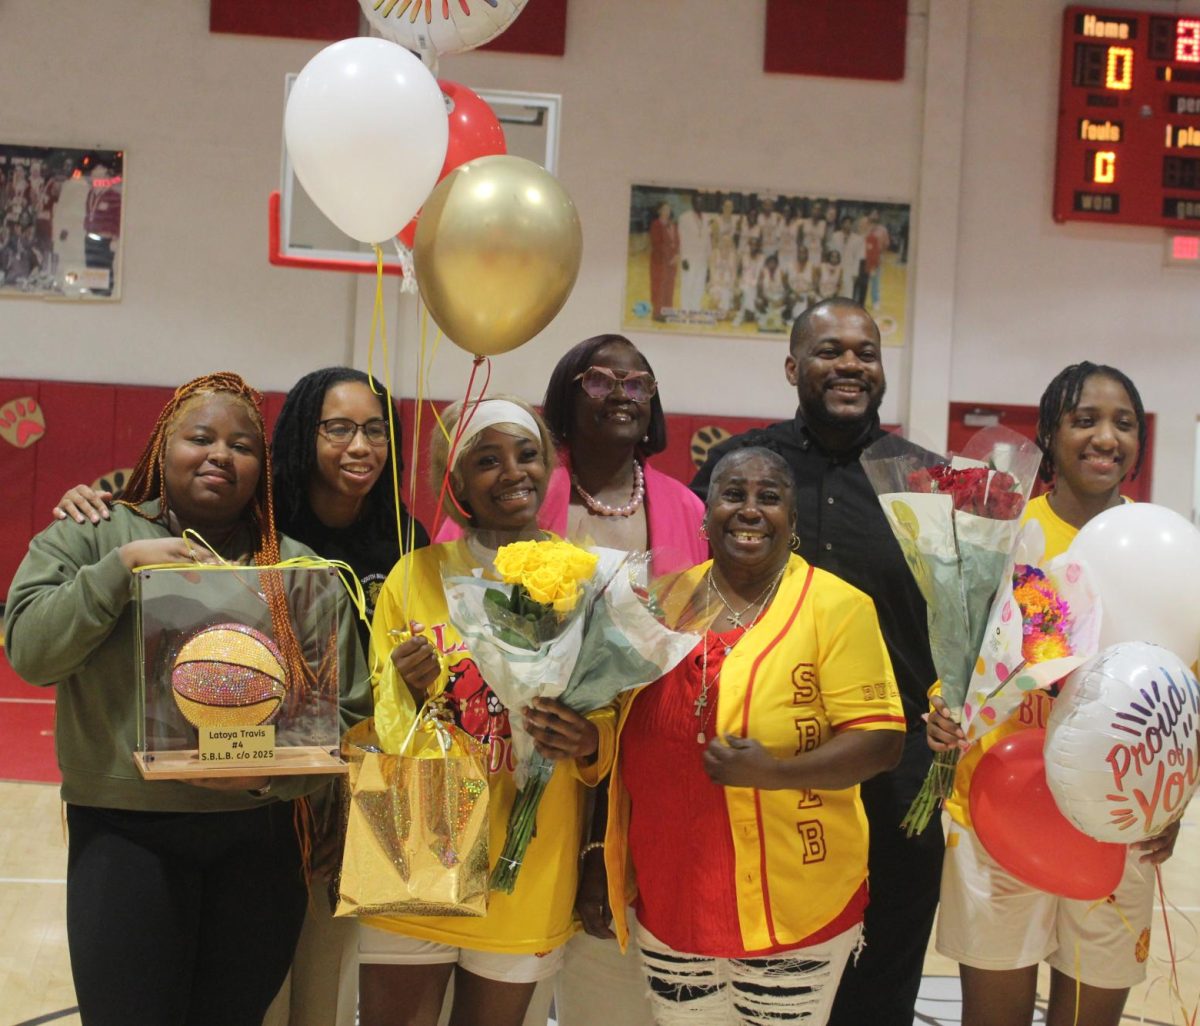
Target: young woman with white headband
{"type": "Point", "coordinates": [498, 478]}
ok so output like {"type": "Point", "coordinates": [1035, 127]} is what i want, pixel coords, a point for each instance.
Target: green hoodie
{"type": "Point", "coordinates": [70, 621]}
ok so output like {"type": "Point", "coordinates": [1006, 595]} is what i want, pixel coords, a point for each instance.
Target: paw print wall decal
{"type": "Point", "coordinates": [704, 439]}
{"type": "Point", "coordinates": [22, 422]}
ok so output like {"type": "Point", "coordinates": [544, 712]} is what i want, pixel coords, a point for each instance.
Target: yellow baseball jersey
{"type": "Point", "coordinates": [813, 666]}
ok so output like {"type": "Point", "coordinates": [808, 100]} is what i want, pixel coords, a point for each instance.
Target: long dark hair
{"type": "Point", "coordinates": [295, 456]}
{"type": "Point", "coordinates": [562, 391]}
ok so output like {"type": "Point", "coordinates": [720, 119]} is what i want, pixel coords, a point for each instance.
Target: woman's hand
{"type": "Point", "coordinates": [82, 504]}
{"type": "Point", "coordinates": [416, 661]}
{"type": "Point", "coordinates": [1157, 849]}
{"type": "Point", "coordinates": [740, 762]}
{"type": "Point", "coordinates": [941, 731]}
{"type": "Point", "coordinates": [591, 900]}
{"type": "Point", "coordinates": [156, 551]}
{"type": "Point", "coordinates": [559, 732]}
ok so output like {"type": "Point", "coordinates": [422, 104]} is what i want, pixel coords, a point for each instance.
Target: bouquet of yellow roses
{"type": "Point", "coordinates": [566, 623]}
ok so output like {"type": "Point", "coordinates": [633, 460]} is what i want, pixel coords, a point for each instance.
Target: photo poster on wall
{"type": "Point", "coordinates": [747, 263]}
{"type": "Point", "coordinates": [60, 222]}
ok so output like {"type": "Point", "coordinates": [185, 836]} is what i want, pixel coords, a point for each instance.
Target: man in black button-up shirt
{"type": "Point", "coordinates": [836, 366]}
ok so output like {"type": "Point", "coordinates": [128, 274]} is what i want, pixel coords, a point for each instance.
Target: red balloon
{"type": "Point", "coordinates": [474, 132]}
{"type": "Point", "coordinates": [1017, 821]}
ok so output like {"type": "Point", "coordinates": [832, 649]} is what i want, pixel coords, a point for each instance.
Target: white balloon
{"type": "Point", "coordinates": [366, 130]}
{"type": "Point", "coordinates": [431, 29]}
{"type": "Point", "coordinates": [1145, 563]}
{"type": "Point", "coordinates": [1121, 753]}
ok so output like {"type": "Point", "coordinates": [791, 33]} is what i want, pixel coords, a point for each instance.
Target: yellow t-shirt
{"type": "Point", "coordinates": [1034, 710]}
{"type": "Point", "coordinates": [537, 916]}
{"type": "Point", "coordinates": [815, 665]}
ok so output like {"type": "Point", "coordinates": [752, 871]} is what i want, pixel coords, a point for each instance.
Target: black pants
{"type": "Point", "coordinates": [181, 919]}
{"type": "Point", "coordinates": [905, 877]}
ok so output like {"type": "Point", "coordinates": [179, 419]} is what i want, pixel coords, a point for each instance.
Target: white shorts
{"type": "Point", "coordinates": [383, 947]}
{"type": "Point", "coordinates": [988, 919]}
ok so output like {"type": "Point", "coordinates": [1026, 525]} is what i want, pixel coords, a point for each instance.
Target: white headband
{"type": "Point", "coordinates": [491, 412]}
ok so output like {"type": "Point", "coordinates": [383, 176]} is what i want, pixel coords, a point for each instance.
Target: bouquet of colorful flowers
{"type": "Point", "coordinates": [1043, 624]}
{"type": "Point", "coordinates": [955, 519]}
{"type": "Point", "coordinates": [569, 624]}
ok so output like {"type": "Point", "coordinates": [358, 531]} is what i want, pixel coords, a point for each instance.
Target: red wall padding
{"type": "Point", "coordinates": [540, 28]}
{"type": "Point", "coordinates": [840, 38]}
{"type": "Point", "coordinates": [311, 19]}
{"type": "Point", "coordinates": [92, 430]}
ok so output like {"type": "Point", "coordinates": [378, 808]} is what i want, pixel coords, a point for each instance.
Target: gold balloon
{"type": "Point", "coordinates": [497, 252]}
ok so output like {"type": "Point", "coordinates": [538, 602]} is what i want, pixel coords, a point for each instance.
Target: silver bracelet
{"type": "Point", "coordinates": [590, 847]}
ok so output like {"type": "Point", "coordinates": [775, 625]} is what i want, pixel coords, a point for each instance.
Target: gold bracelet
{"type": "Point", "coordinates": [590, 847]}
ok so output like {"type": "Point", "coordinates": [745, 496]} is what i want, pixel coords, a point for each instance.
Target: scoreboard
{"type": "Point", "coordinates": [1129, 118]}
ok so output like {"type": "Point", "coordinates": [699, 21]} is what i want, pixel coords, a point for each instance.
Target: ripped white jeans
{"type": "Point", "coordinates": [795, 986]}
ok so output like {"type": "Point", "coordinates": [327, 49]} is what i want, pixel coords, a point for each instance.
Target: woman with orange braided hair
{"type": "Point", "coordinates": [184, 900]}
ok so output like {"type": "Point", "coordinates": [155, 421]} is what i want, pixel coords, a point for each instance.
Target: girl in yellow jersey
{"type": "Point", "coordinates": [498, 475]}
{"type": "Point", "coordinates": [1092, 433]}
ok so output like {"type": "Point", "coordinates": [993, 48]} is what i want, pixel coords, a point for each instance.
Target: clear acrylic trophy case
{"type": "Point", "coordinates": [239, 671]}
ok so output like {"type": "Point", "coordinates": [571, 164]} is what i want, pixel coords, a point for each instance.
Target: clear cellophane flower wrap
{"type": "Point", "coordinates": [1044, 622]}
{"type": "Point", "coordinates": [416, 823]}
{"type": "Point", "coordinates": [955, 518]}
{"type": "Point", "coordinates": [622, 631]}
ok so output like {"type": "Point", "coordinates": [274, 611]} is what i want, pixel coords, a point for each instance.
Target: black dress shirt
{"type": "Point", "coordinates": [842, 529]}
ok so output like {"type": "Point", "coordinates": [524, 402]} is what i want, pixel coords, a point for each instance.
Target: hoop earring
{"type": "Point", "coordinates": [794, 542]}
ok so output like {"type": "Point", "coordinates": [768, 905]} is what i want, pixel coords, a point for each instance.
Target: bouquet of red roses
{"type": "Point", "coordinates": [955, 519]}
{"type": "Point", "coordinates": [978, 490]}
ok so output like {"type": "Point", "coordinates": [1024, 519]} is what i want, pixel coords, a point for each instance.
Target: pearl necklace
{"type": "Point", "coordinates": [700, 706]}
{"type": "Point", "coordinates": [603, 509]}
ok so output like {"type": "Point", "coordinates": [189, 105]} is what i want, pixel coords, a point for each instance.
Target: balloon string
{"type": "Point", "coordinates": [1108, 902]}
{"type": "Point", "coordinates": [1176, 992]}
{"type": "Point", "coordinates": [464, 419]}
{"type": "Point", "coordinates": [379, 328]}
{"type": "Point", "coordinates": [422, 389]}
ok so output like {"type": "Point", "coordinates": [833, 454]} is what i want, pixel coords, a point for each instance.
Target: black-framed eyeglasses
{"type": "Point", "coordinates": [341, 430]}
{"type": "Point", "coordinates": [600, 383]}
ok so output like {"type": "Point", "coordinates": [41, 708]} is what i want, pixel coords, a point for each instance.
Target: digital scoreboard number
{"type": "Point", "coordinates": [1129, 119]}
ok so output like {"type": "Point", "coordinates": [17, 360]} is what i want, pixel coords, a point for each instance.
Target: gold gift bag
{"type": "Point", "coordinates": [416, 824]}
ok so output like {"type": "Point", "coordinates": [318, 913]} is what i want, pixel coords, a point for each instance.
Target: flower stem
{"type": "Point", "coordinates": [938, 786]}
{"type": "Point", "coordinates": [522, 823]}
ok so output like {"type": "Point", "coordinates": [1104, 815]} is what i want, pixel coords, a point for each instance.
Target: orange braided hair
{"type": "Point", "coordinates": [147, 482]}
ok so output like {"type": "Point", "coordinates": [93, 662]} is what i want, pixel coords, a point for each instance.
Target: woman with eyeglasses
{"type": "Point", "coordinates": [334, 487]}
{"type": "Point", "coordinates": [603, 407]}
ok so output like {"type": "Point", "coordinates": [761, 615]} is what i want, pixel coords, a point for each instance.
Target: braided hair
{"type": "Point", "coordinates": [1062, 397]}
{"type": "Point", "coordinates": [146, 483]}
{"type": "Point", "coordinates": [295, 452]}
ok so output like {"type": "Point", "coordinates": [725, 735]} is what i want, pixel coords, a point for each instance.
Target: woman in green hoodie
{"type": "Point", "coordinates": [184, 900]}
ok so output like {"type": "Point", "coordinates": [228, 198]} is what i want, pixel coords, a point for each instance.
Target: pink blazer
{"type": "Point", "coordinates": [673, 518]}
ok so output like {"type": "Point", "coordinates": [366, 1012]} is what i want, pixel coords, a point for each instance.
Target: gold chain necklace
{"type": "Point", "coordinates": [700, 707]}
